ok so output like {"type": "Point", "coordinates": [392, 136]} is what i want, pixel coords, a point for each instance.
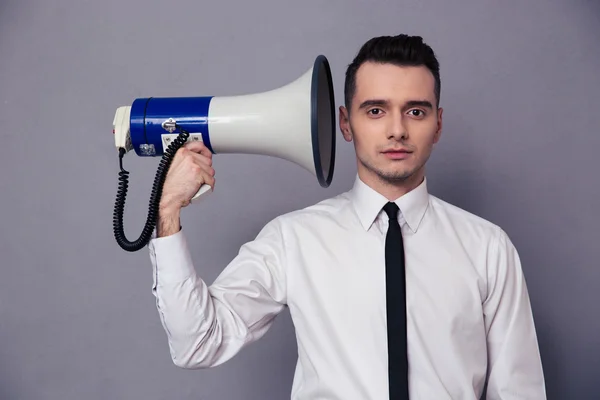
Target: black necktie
{"type": "Point", "coordinates": [396, 306]}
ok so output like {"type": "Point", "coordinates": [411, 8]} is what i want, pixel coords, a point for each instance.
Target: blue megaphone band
{"type": "Point", "coordinates": [148, 115]}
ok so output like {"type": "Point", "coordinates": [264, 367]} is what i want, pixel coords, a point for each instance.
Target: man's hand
{"type": "Point", "coordinates": [191, 168]}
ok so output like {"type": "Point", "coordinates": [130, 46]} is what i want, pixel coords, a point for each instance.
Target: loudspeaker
{"type": "Point", "coordinates": [295, 122]}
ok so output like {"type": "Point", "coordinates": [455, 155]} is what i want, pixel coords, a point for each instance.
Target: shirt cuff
{"type": "Point", "coordinates": [171, 258]}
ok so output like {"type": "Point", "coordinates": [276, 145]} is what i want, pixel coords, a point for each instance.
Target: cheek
{"type": "Point", "coordinates": [423, 134]}
{"type": "Point", "coordinates": [368, 132]}
{"type": "Point", "coordinates": [366, 142]}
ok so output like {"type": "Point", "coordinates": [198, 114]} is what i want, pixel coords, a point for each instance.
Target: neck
{"type": "Point", "coordinates": [391, 189]}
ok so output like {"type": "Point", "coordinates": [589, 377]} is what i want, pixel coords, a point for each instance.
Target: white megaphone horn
{"type": "Point", "coordinates": [295, 122]}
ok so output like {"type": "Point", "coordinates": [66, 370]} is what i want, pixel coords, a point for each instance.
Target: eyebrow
{"type": "Point", "coordinates": [373, 102]}
{"type": "Point", "coordinates": [420, 103]}
{"type": "Point", "coordinates": [408, 104]}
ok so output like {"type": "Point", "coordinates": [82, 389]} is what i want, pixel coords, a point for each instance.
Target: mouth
{"type": "Point", "coordinates": [397, 154]}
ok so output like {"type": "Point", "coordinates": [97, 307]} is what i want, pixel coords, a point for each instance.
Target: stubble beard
{"type": "Point", "coordinates": [390, 177]}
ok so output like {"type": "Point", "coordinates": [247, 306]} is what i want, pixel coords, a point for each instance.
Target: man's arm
{"type": "Point", "coordinates": [208, 325]}
{"type": "Point", "coordinates": [514, 362]}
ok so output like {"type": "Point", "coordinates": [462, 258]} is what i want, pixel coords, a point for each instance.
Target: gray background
{"type": "Point", "coordinates": [520, 88]}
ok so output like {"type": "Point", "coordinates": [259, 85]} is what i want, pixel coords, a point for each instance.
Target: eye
{"type": "Point", "coordinates": [416, 113]}
{"type": "Point", "coordinates": [375, 111]}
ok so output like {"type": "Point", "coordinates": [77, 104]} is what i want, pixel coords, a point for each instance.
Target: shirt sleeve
{"type": "Point", "coordinates": [514, 362]}
{"type": "Point", "coordinates": [208, 325]}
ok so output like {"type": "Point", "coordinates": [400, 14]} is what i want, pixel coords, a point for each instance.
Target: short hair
{"type": "Point", "coordinates": [401, 50]}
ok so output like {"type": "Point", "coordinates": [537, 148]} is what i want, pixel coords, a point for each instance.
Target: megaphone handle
{"type": "Point", "coordinates": [203, 189]}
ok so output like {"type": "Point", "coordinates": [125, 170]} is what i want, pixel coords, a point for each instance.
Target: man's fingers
{"type": "Point", "coordinates": [203, 162]}
{"type": "Point", "coordinates": [207, 178]}
{"type": "Point", "coordinates": [198, 147]}
{"type": "Point", "coordinates": [201, 159]}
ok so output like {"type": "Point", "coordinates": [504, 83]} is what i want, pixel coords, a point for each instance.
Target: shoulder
{"type": "Point", "coordinates": [487, 243]}
{"type": "Point", "coordinates": [331, 209]}
{"type": "Point", "coordinates": [465, 222]}
{"type": "Point", "coordinates": [317, 219]}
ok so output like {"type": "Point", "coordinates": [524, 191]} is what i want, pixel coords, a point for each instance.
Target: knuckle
{"type": "Point", "coordinates": [196, 144]}
{"type": "Point", "coordinates": [195, 168]}
{"type": "Point", "coordinates": [189, 159]}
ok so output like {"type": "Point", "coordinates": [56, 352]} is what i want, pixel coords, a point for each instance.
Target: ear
{"type": "Point", "coordinates": [438, 132]}
{"type": "Point", "coordinates": [345, 124]}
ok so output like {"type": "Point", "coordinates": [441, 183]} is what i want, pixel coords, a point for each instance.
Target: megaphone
{"type": "Point", "coordinates": [295, 123]}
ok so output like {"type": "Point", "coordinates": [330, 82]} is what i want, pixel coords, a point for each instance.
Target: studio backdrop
{"type": "Point", "coordinates": [520, 89]}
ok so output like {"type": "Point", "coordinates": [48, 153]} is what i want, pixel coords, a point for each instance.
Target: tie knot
{"type": "Point", "coordinates": [391, 210]}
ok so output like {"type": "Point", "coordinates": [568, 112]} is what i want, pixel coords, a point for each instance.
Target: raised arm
{"type": "Point", "coordinates": [207, 325]}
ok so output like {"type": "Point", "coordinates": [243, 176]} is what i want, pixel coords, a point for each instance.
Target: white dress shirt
{"type": "Point", "coordinates": [469, 314]}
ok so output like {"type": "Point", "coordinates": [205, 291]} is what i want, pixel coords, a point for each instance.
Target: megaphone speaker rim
{"type": "Point", "coordinates": [322, 62]}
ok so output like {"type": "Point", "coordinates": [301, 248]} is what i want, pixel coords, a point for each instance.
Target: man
{"type": "Point", "coordinates": [391, 290]}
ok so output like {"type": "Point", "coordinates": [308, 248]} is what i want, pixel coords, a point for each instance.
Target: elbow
{"type": "Point", "coordinates": [210, 349]}
{"type": "Point", "coordinates": [195, 356]}
{"type": "Point", "coordinates": [189, 363]}
{"type": "Point", "coordinates": [191, 360]}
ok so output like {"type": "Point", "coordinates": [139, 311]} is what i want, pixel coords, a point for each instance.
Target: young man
{"type": "Point", "coordinates": [392, 291]}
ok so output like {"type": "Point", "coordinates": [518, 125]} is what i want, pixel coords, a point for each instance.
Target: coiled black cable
{"type": "Point", "coordinates": [155, 196]}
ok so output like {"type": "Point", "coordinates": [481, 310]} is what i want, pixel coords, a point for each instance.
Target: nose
{"type": "Point", "coordinates": [397, 129]}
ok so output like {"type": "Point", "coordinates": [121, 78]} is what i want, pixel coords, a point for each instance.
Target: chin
{"type": "Point", "coordinates": [396, 176]}
{"type": "Point", "coordinates": [391, 173]}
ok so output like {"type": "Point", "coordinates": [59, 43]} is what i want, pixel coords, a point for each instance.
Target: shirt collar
{"type": "Point", "coordinates": [368, 204]}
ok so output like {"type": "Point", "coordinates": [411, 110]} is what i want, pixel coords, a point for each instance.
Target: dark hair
{"type": "Point", "coordinates": [401, 50]}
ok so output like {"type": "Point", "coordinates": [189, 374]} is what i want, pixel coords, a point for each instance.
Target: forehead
{"type": "Point", "coordinates": [395, 83]}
